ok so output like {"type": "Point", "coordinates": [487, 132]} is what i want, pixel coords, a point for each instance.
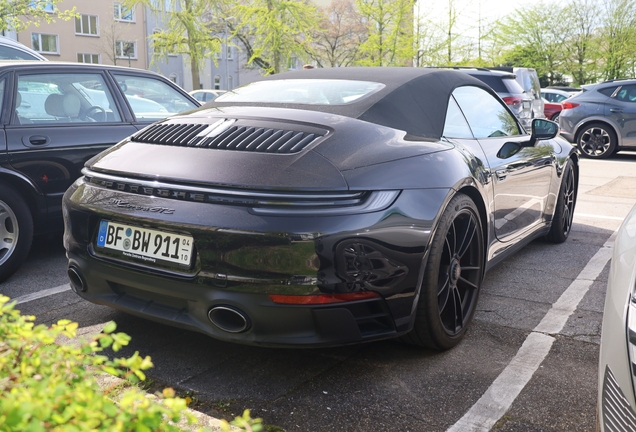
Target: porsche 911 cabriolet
{"type": "Point", "coordinates": [320, 207]}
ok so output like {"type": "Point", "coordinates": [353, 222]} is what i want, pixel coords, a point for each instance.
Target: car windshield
{"type": "Point", "coordinates": [302, 91]}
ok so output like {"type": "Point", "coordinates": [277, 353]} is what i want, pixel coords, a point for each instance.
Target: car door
{"type": "Point", "coordinates": [520, 180]}
{"type": "Point", "coordinates": [61, 117]}
{"type": "Point", "coordinates": [3, 117]}
{"type": "Point", "coordinates": [621, 109]}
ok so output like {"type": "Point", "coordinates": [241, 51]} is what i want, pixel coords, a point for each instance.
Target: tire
{"type": "Point", "coordinates": [564, 211]}
{"type": "Point", "coordinates": [452, 278]}
{"type": "Point", "coordinates": [16, 231]}
{"type": "Point", "coordinates": [596, 141]}
{"type": "Point", "coordinates": [555, 118]}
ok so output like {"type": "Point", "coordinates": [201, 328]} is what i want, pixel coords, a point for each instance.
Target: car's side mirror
{"type": "Point", "coordinates": [543, 129]}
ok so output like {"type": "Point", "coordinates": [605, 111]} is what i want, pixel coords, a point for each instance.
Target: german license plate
{"type": "Point", "coordinates": [146, 245]}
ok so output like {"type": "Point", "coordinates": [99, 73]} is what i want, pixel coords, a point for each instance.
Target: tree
{"type": "Point", "coordinates": [390, 32]}
{"type": "Point", "coordinates": [618, 45]}
{"type": "Point", "coordinates": [20, 14]}
{"type": "Point", "coordinates": [535, 39]}
{"type": "Point", "coordinates": [582, 23]}
{"type": "Point", "coordinates": [188, 30]}
{"type": "Point", "coordinates": [273, 31]}
{"type": "Point", "coordinates": [337, 41]}
{"type": "Point", "coordinates": [109, 36]}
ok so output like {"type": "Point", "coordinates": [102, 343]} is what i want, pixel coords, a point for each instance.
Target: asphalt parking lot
{"type": "Point", "coordinates": [528, 363]}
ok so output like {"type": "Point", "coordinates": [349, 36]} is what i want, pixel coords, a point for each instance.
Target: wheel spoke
{"type": "Point", "coordinates": [459, 310]}
{"type": "Point", "coordinates": [467, 282]}
{"type": "Point", "coordinates": [442, 299]}
{"type": "Point", "coordinates": [468, 237]}
{"type": "Point", "coordinates": [446, 281]}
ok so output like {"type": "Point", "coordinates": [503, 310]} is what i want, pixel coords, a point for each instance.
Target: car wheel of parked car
{"type": "Point", "coordinates": [555, 118]}
{"type": "Point", "coordinates": [452, 280]}
{"type": "Point", "coordinates": [16, 231]}
{"type": "Point", "coordinates": [564, 211]}
{"type": "Point", "coordinates": [596, 140]}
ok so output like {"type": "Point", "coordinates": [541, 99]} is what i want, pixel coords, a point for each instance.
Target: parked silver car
{"type": "Point", "coordinates": [508, 89]}
{"type": "Point", "coordinates": [14, 50]}
{"type": "Point", "coordinates": [528, 79]}
{"type": "Point", "coordinates": [617, 366]}
{"type": "Point", "coordinates": [602, 119]}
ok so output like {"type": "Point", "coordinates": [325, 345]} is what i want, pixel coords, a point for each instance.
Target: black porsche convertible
{"type": "Point", "coordinates": [320, 207]}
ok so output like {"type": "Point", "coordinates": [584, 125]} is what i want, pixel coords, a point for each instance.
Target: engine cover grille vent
{"type": "Point", "coordinates": [230, 134]}
{"type": "Point", "coordinates": [618, 415]}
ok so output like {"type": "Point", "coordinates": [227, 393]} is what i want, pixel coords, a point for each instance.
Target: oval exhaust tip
{"type": "Point", "coordinates": [77, 280]}
{"type": "Point", "coordinates": [228, 319]}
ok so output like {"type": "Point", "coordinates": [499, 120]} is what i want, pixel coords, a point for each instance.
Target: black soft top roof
{"type": "Point", "coordinates": [413, 100]}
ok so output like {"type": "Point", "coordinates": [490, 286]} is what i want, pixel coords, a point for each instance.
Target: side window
{"type": "Point", "coordinates": [455, 125]}
{"type": "Point", "coordinates": [151, 99]}
{"type": "Point", "coordinates": [608, 91]}
{"type": "Point", "coordinates": [486, 116]}
{"type": "Point", "coordinates": [627, 93]}
{"type": "Point", "coordinates": [64, 98]}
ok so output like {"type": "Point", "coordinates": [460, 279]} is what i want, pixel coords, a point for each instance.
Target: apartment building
{"type": "Point", "coordinates": [105, 32]}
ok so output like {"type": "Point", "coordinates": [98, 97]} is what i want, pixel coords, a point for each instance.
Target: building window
{"type": "Point", "coordinates": [44, 43]}
{"type": "Point", "coordinates": [126, 49]}
{"type": "Point", "coordinates": [86, 25]}
{"type": "Point", "coordinates": [217, 82]}
{"type": "Point", "coordinates": [87, 58]}
{"type": "Point", "coordinates": [229, 53]}
{"type": "Point", "coordinates": [123, 13]}
{"type": "Point", "coordinates": [161, 5]}
{"type": "Point", "coordinates": [173, 78]}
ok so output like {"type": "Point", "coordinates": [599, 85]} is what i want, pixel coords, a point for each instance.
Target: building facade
{"type": "Point", "coordinates": [104, 32]}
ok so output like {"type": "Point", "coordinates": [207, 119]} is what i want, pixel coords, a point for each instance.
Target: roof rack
{"type": "Point", "coordinates": [618, 79]}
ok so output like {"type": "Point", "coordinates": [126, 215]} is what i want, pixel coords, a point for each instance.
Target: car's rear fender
{"type": "Point", "coordinates": [29, 191]}
{"type": "Point", "coordinates": [599, 119]}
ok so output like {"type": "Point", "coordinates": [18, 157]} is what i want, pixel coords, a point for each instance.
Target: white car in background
{"type": "Point", "coordinates": [14, 50]}
{"type": "Point", "coordinates": [617, 365]}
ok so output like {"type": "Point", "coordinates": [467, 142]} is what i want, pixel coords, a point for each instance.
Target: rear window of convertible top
{"type": "Point", "coordinates": [303, 91]}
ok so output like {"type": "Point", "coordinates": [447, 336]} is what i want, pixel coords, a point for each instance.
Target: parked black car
{"type": "Point", "coordinates": [320, 207]}
{"type": "Point", "coordinates": [56, 116]}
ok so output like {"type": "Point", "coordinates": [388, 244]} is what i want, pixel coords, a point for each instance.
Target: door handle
{"type": "Point", "coordinates": [38, 140]}
{"type": "Point", "coordinates": [501, 174]}
{"type": "Point", "coordinates": [616, 110]}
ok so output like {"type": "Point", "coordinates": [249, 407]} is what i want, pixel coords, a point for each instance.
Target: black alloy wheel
{"type": "Point", "coordinates": [452, 279]}
{"type": "Point", "coordinates": [596, 141]}
{"type": "Point", "coordinates": [16, 231]}
{"type": "Point", "coordinates": [564, 211]}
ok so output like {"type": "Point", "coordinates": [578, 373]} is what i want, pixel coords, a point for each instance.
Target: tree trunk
{"type": "Point", "coordinates": [194, 68]}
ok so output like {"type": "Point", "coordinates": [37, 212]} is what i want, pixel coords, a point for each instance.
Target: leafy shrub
{"type": "Point", "coordinates": [46, 386]}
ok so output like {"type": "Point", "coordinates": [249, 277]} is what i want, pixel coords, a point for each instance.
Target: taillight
{"type": "Point", "coordinates": [322, 298]}
{"type": "Point", "coordinates": [514, 101]}
{"type": "Point", "coordinates": [569, 105]}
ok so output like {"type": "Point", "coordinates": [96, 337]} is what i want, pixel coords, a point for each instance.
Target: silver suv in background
{"type": "Point", "coordinates": [508, 89]}
{"type": "Point", "coordinates": [601, 119]}
{"type": "Point", "coordinates": [529, 81]}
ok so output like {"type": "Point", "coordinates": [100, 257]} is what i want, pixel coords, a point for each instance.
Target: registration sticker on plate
{"type": "Point", "coordinates": [148, 245]}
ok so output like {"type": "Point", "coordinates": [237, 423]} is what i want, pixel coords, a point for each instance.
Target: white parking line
{"type": "Point", "coordinates": [498, 398]}
{"type": "Point", "coordinates": [41, 294]}
{"type": "Point", "coordinates": [598, 216]}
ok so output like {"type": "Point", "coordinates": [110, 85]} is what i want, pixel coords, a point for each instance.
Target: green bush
{"type": "Point", "coordinates": [47, 386]}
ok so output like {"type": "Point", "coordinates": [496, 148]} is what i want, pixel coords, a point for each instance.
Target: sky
{"type": "Point", "coordinates": [470, 10]}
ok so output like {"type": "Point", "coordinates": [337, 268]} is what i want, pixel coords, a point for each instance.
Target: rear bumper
{"type": "Point", "coordinates": [242, 258]}
{"type": "Point", "coordinates": [268, 324]}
